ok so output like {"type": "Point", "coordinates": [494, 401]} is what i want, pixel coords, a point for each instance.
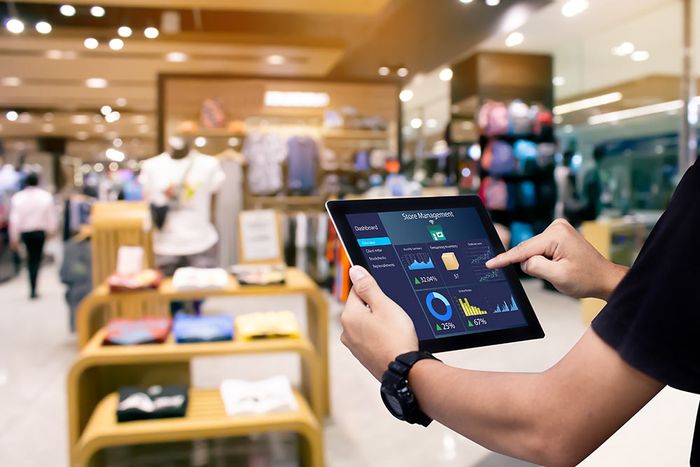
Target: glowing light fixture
{"type": "Point", "coordinates": [97, 11]}
{"type": "Point", "coordinates": [124, 31]}
{"type": "Point", "coordinates": [54, 54]}
{"type": "Point", "coordinates": [445, 74]}
{"type": "Point", "coordinates": [12, 116]}
{"type": "Point", "coordinates": [623, 49]}
{"type": "Point", "coordinates": [200, 141]}
{"type": "Point", "coordinates": [113, 116]}
{"type": "Point", "coordinates": [493, 2]}
{"type": "Point", "coordinates": [465, 1]}
{"type": "Point", "coordinates": [406, 95]}
{"type": "Point", "coordinates": [14, 25]}
{"type": "Point", "coordinates": [11, 81]}
{"type": "Point", "coordinates": [614, 117]}
{"type": "Point", "coordinates": [416, 123]}
{"type": "Point", "coordinates": [514, 39]}
{"type": "Point", "coordinates": [96, 83]}
{"type": "Point", "coordinates": [296, 99]}
{"type": "Point", "coordinates": [176, 57]}
{"type": "Point", "coordinates": [67, 10]}
{"type": "Point", "coordinates": [91, 43]}
{"type": "Point", "coordinates": [105, 110]}
{"type": "Point", "coordinates": [639, 56]}
{"type": "Point", "coordinates": [151, 32]}
{"type": "Point", "coordinates": [114, 155]}
{"type": "Point", "coordinates": [275, 59]}
{"type": "Point", "coordinates": [116, 44]}
{"type": "Point", "coordinates": [121, 102]}
{"type": "Point", "coordinates": [43, 27]}
{"type": "Point", "coordinates": [559, 81]}
{"type": "Point", "coordinates": [431, 123]}
{"type": "Point", "coordinates": [383, 71]}
{"type": "Point", "coordinates": [80, 119]}
{"type": "Point", "coordinates": [574, 7]}
{"type": "Point", "coordinates": [402, 72]}
{"type": "Point", "coordinates": [587, 103]}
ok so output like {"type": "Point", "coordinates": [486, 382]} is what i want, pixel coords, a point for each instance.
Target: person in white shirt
{"type": "Point", "coordinates": [32, 219]}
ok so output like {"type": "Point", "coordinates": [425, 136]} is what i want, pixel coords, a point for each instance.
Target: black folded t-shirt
{"type": "Point", "coordinates": [652, 319]}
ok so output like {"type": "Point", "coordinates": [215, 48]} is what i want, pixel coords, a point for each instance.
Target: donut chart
{"type": "Point", "coordinates": [430, 298]}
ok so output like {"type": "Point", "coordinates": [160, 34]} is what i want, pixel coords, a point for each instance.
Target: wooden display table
{"type": "Point", "coordinates": [101, 305]}
{"type": "Point", "coordinates": [206, 418]}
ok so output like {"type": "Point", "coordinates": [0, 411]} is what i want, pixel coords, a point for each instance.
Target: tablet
{"type": "Point", "coordinates": [428, 255]}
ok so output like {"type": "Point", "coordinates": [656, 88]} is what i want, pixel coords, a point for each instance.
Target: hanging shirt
{"type": "Point", "coordinates": [30, 210]}
{"type": "Point", "coordinates": [188, 229]}
{"type": "Point", "coordinates": [265, 153]}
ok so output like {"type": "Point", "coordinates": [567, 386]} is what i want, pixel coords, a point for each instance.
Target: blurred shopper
{"type": "Point", "coordinates": [32, 220]}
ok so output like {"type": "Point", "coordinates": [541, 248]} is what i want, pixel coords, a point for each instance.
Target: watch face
{"type": "Point", "coordinates": [392, 403]}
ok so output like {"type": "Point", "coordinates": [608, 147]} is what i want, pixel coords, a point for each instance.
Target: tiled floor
{"type": "Point", "coordinates": [36, 351]}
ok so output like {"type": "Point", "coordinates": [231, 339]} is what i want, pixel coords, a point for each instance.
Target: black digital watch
{"type": "Point", "coordinates": [396, 393]}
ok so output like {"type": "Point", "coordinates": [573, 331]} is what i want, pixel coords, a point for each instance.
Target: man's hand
{"type": "Point", "coordinates": [378, 332]}
{"type": "Point", "coordinates": [563, 257]}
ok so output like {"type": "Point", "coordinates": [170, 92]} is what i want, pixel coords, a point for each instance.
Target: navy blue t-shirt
{"type": "Point", "coordinates": [652, 319]}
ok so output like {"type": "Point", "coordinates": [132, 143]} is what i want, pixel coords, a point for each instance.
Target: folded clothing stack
{"type": "Point", "coordinates": [268, 324]}
{"type": "Point", "coordinates": [257, 397]}
{"type": "Point", "coordinates": [146, 279]}
{"type": "Point", "coordinates": [260, 274]}
{"type": "Point", "coordinates": [152, 403]}
{"type": "Point", "coordinates": [200, 278]}
{"type": "Point", "coordinates": [189, 328]}
{"type": "Point", "coordinates": [137, 331]}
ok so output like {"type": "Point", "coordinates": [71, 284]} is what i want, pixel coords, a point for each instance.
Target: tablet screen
{"type": "Point", "coordinates": [431, 262]}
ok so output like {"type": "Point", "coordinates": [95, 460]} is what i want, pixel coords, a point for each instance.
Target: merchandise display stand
{"type": "Point", "coordinates": [100, 370]}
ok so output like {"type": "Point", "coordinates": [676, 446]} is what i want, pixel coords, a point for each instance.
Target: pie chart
{"type": "Point", "coordinates": [430, 300]}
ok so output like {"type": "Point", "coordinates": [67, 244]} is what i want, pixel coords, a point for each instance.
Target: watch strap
{"type": "Point", "coordinates": [398, 371]}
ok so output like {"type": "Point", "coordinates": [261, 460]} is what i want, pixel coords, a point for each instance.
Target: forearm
{"type": "Point", "coordinates": [497, 410]}
{"type": "Point", "coordinates": [611, 279]}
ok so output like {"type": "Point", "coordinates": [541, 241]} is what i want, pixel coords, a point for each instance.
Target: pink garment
{"type": "Point", "coordinates": [32, 209]}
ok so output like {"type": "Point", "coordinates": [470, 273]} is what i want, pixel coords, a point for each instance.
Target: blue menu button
{"type": "Point", "coordinates": [374, 241]}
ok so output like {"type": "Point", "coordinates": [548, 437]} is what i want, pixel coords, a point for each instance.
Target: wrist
{"type": "Point", "coordinates": [611, 280]}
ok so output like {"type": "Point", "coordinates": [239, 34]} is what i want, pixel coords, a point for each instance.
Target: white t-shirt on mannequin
{"type": "Point", "coordinates": [188, 229]}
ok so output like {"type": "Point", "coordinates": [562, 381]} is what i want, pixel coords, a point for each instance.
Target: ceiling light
{"type": "Point", "coordinates": [96, 83]}
{"type": "Point", "coordinates": [11, 81]}
{"type": "Point", "coordinates": [139, 119]}
{"type": "Point", "coordinates": [12, 116]}
{"type": "Point", "coordinates": [80, 119]}
{"type": "Point", "coordinates": [445, 74]}
{"type": "Point", "coordinates": [465, 1]}
{"type": "Point", "coordinates": [623, 49]}
{"type": "Point", "coordinates": [99, 167]}
{"type": "Point", "coordinates": [574, 7]}
{"type": "Point", "coordinates": [91, 43]}
{"type": "Point", "coordinates": [233, 141]}
{"type": "Point", "coordinates": [383, 71]}
{"type": "Point", "coordinates": [151, 32]}
{"type": "Point", "coordinates": [42, 27]}
{"type": "Point", "coordinates": [97, 11]}
{"type": "Point", "coordinates": [296, 99]}
{"type": "Point", "coordinates": [116, 44]}
{"type": "Point", "coordinates": [493, 2]}
{"type": "Point", "coordinates": [514, 38]}
{"type": "Point", "coordinates": [431, 123]}
{"type": "Point", "coordinates": [613, 117]}
{"type": "Point", "coordinates": [82, 135]}
{"type": "Point", "coordinates": [587, 103]}
{"type": "Point", "coordinates": [55, 54]}
{"type": "Point", "coordinates": [639, 56]}
{"type": "Point", "coordinates": [176, 57]}
{"type": "Point", "coordinates": [67, 10]}
{"type": "Point", "coordinates": [105, 109]}
{"type": "Point", "coordinates": [113, 166]}
{"type": "Point", "coordinates": [117, 142]}
{"type": "Point", "coordinates": [113, 116]}
{"type": "Point", "coordinates": [402, 71]}
{"type": "Point", "coordinates": [275, 59]}
{"type": "Point", "coordinates": [406, 95]}
{"type": "Point", "coordinates": [200, 141]}
{"type": "Point", "coordinates": [47, 127]}
{"type": "Point", "coordinates": [121, 102]}
{"type": "Point", "coordinates": [14, 25]}
{"type": "Point", "coordinates": [416, 123]}
{"type": "Point", "coordinates": [559, 81]}
{"type": "Point", "coordinates": [114, 155]}
{"type": "Point", "coordinates": [124, 31]}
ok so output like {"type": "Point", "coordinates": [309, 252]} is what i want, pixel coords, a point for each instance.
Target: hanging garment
{"type": "Point", "coordinates": [265, 153]}
{"type": "Point", "coordinates": [229, 204]}
{"type": "Point", "coordinates": [302, 163]}
{"type": "Point", "coordinates": [300, 240]}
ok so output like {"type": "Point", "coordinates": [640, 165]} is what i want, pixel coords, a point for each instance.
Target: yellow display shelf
{"type": "Point", "coordinates": [205, 418]}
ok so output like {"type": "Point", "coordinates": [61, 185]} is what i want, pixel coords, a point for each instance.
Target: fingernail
{"type": "Point", "coordinates": [489, 262]}
{"type": "Point", "coordinates": [357, 273]}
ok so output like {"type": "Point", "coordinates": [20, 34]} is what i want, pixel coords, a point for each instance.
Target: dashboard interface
{"type": "Point", "coordinates": [431, 263]}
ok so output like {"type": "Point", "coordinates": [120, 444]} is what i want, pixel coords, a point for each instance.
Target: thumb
{"type": "Point", "coordinates": [366, 287]}
{"type": "Point", "coordinates": [539, 266]}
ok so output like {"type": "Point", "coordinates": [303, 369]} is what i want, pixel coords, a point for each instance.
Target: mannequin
{"type": "Point", "coordinates": [185, 181]}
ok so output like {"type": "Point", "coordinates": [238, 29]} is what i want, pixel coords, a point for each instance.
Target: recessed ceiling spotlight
{"type": "Point", "coordinates": [416, 123]}
{"type": "Point", "coordinates": [465, 1]}
{"type": "Point", "coordinates": [445, 74]}
{"type": "Point", "coordinates": [275, 59]}
{"type": "Point", "coordinates": [559, 81]}
{"type": "Point", "coordinates": [639, 56]}
{"type": "Point", "coordinates": [42, 27]}
{"type": "Point", "coordinates": [402, 72]}
{"type": "Point", "coordinates": [67, 10]}
{"type": "Point", "coordinates": [574, 7]}
{"type": "Point", "coordinates": [114, 155]}
{"type": "Point", "coordinates": [514, 39]}
{"type": "Point", "coordinates": [116, 44]}
{"type": "Point", "coordinates": [99, 167]}
{"type": "Point", "coordinates": [623, 49]}
{"type": "Point", "coordinates": [91, 43]}
{"type": "Point", "coordinates": [12, 116]}
{"type": "Point", "coordinates": [176, 57]}
{"type": "Point", "coordinates": [14, 25]}
{"type": "Point", "coordinates": [97, 11]}
{"type": "Point", "coordinates": [113, 116]}
{"type": "Point", "coordinates": [120, 102]}
{"type": "Point", "coordinates": [383, 71]}
{"type": "Point", "coordinates": [117, 142]}
{"type": "Point", "coordinates": [493, 2]}
{"type": "Point", "coordinates": [11, 81]}
{"type": "Point", "coordinates": [200, 141]}
{"type": "Point", "coordinates": [124, 31]}
{"type": "Point", "coordinates": [406, 95]}
{"type": "Point", "coordinates": [151, 32]}
{"type": "Point", "coordinates": [96, 83]}
{"type": "Point", "coordinates": [105, 109]}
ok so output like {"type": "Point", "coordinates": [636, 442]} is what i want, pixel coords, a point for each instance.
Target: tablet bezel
{"type": "Point", "coordinates": [338, 210]}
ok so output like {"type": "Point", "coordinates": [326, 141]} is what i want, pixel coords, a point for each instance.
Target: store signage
{"type": "Point", "coordinates": [260, 237]}
{"type": "Point", "coordinates": [296, 99]}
